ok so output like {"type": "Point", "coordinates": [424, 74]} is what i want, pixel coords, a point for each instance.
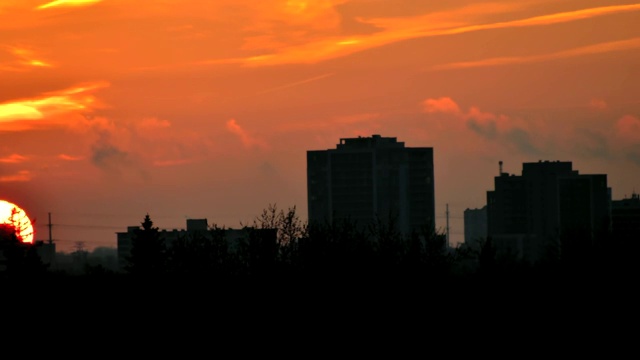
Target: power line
{"type": "Point", "coordinates": [86, 226]}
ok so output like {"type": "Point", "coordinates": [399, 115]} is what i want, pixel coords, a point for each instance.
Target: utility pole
{"type": "Point", "coordinates": [447, 226]}
{"type": "Point", "coordinates": [49, 225]}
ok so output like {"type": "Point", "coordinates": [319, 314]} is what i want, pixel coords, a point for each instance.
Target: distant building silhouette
{"type": "Point", "coordinates": [549, 211]}
{"type": "Point", "coordinates": [625, 220]}
{"type": "Point", "coordinates": [475, 225]}
{"type": "Point", "coordinates": [46, 250]}
{"type": "Point", "coordinates": [368, 178]}
{"type": "Point", "coordinates": [234, 238]}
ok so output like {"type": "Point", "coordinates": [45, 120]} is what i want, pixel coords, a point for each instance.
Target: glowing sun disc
{"type": "Point", "coordinates": [12, 214]}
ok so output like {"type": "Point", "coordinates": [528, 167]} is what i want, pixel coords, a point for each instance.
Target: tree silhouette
{"type": "Point", "coordinates": [18, 259]}
{"type": "Point", "coordinates": [198, 254]}
{"type": "Point", "coordinates": [290, 229]}
{"type": "Point", "coordinates": [148, 251]}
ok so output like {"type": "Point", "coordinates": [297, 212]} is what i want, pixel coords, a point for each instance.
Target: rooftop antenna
{"type": "Point", "coordinates": [500, 164]}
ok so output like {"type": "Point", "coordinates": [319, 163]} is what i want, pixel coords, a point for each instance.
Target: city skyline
{"type": "Point", "coordinates": [194, 109]}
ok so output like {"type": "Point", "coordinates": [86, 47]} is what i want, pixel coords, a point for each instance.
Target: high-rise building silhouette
{"type": "Point", "coordinates": [475, 225]}
{"type": "Point", "coordinates": [549, 211]}
{"type": "Point", "coordinates": [372, 178]}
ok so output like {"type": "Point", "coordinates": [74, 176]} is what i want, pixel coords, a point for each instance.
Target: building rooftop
{"type": "Point", "coordinates": [369, 142]}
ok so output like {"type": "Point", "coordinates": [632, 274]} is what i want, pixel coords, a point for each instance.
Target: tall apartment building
{"type": "Point", "coordinates": [368, 178]}
{"type": "Point", "coordinates": [475, 225]}
{"type": "Point", "coordinates": [550, 210]}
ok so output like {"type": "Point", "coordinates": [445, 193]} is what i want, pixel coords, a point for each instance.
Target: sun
{"type": "Point", "coordinates": [11, 214]}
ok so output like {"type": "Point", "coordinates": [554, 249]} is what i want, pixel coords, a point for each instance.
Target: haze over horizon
{"type": "Point", "coordinates": [110, 110]}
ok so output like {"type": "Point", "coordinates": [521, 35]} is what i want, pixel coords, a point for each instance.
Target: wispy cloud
{"type": "Point", "coordinates": [128, 148]}
{"type": "Point", "coordinates": [628, 129]}
{"type": "Point", "coordinates": [13, 159]}
{"type": "Point", "coordinates": [24, 60]}
{"type": "Point", "coordinates": [247, 140]}
{"type": "Point", "coordinates": [441, 105]}
{"type": "Point", "coordinates": [430, 25]}
{"type": "Point", "coordinates": [66, 157]}
{"type": "Point", "coordinates": [62, 3]}
{"type": "Point", "coordinates": [75, 99]}
{"type": "Point", "coordinates": [538, 137]}
{"type": "Point", "coordinates": [548, 19]}
{"type": "Point", "coordinates": [492, 127]}
{"type": "Point", "coordinates": [611, 46]}
{"type": "Point", "coordinates": [297, 83]}
{"type": "Point", "coordinates": [20, 176]}
{"type": "Point", "coordinates": [305, 32]}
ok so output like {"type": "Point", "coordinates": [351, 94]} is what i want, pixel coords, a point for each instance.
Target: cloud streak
{"type": "Point", "coordinates": [64, 3]}
{"type": "Point", "coordinates": [427, 26]}
{"type": "Point", "coordinates": [25, 59]}
{"type": "Point", "coordinates": [247, 140]}
{"type": "Point", "coordinates": [606, 47]}
{"type": "Point", "coordinates": [297, 83]}
{"type": "Point", "coordinates": [67, 157]}
{"type": "Point", "coordinates": [20, 176]}
{"type": "Point", "coordinates": [13, 159]}
{"type": "Point", "coordinates": [13, 114]}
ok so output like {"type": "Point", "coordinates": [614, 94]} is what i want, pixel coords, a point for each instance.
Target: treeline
{"type": "Point", "coordinates": [281, 248]}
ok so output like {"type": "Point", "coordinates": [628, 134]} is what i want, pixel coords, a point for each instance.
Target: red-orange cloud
{"type": "Point", "coordinates": [66, 157]}
{"type": "Point", "coordinates": [21, 176]}
{"type": "Point", "coordinates": [628, 129]}
{"type": "Point", "coordinates": [13, 159]}
{"type": "Point", "coordinates": [247, 140]}
{"type": "Point", "coordinates": [441, 105]}
{"type": "Point", "coordinates": [14, 114]}
{"type": "Point", "coordinates": [493, 127]}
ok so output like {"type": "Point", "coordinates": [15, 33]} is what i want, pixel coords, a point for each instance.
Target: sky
{"type": "Point", "coordinates": [189, 109]}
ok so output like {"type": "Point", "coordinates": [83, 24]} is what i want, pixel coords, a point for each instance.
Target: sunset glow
{"type": "Point", "coordinates": [14, 216]}
{"type": "Point", "coordinates": [185, 108]}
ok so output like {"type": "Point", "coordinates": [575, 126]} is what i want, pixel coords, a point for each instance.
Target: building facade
{"type": "Point", "coordinates": [475, 225]}
{"type": "Point", "coordinates": [549, 211]}
{"type": "Point", "coordinates": [365, 179]}
{"type": "Point", "coordinates": [625, 221]}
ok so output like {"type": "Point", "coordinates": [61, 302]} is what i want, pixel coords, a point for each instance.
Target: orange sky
{"type": "Point", "coordinates": [110, 109]}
